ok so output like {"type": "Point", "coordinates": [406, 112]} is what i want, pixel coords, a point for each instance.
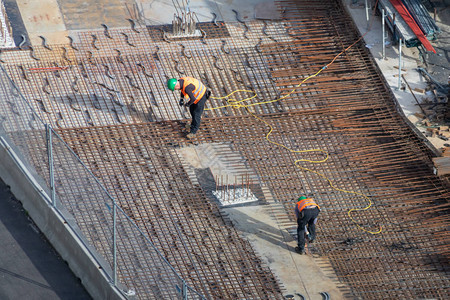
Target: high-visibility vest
{"type": "Point", "coordinates": [199, 90]}
{"type": "Point", "coordinates": [306, 202]}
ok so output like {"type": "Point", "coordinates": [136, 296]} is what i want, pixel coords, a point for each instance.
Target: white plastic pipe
{"type": "Point", "coordinates": [367, 13]}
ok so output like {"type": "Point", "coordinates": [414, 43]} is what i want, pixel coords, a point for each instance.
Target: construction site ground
{"type": "Point", "coordinates": [220, 150]}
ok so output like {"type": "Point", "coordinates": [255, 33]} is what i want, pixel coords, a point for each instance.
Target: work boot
{"type": "Point", "coordinates": [299, 251]}
{"type": "Point", "coordinates": [190, 135]}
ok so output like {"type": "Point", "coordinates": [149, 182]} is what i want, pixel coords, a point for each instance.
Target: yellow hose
{"type": "Point", "coordinates": [240, 104]}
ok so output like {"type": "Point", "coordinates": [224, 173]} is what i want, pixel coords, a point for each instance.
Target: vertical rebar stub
{"type": "Point", "coordinates": [184, 23]}
{"type": "Point", "coordinates": [234, 196]}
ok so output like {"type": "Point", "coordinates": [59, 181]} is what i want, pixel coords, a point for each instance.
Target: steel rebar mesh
{"type": "Point", "coordinates": [23, 130]}
{"type": "Point", "coordinates": [108, 100]}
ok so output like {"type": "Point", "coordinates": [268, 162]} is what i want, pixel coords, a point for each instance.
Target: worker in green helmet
{"type": "Point", "coordinates": [306, 211]}
{"type": "Point", "coordinates": [197, 94]}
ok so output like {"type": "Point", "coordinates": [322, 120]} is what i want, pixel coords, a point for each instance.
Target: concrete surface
{"type": "Point", "coordinates": [15, 18]}
{"type": "Point", "coordinates": [55, 19]}
{"type": "Point", "coordinates": [29, 266]}
{"type": "Point", "coordinates": [267, 11]}
{"type": "Point", "coordinates": [150, 11]}
{"type": "Point", "coordinates": [43, 18]}
{"type": "Point", "coordinates": [211, 158]}
{"type": "Point", "coordinates": [90, 14]}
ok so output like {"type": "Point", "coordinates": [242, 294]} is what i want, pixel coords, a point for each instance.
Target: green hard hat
{"type": "Point", "coordinates": [301, 198]}
{"type": "Point", "coordinates": [171, 83]}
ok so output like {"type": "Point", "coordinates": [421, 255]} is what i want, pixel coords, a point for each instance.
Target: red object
{"type": "Point", "coordinates": [47, 69]}
{"type": "Point", "coordinates": [403, 11]}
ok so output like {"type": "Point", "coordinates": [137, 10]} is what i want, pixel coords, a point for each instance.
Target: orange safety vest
{"type": "Point", "coordinates": [306, 202]}
{"type": "Point", "coordinates": [199, 90]}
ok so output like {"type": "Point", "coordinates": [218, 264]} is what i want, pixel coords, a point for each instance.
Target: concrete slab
{"type": "Point", "coordinates": [90, 14]}
{"type": "Point", "coordinates": [43, 18]}
{"type": "Point", "coordinates": [209, 156]}
{"type": "Point", "coordinates": [150, 11]}
{"type": "Point", "coordinates": [55, 19]}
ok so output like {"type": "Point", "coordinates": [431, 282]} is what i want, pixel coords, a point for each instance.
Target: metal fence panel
{"type": "Point", "coordinates": [108, 233]}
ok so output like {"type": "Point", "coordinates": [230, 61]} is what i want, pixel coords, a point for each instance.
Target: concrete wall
{"type": "Point", "coordinates": [55, 228]}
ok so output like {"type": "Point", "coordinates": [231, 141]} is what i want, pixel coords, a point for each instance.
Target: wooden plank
{"type": "Point", "coordinates": [446, 152]}
{"type": "Point", "coordinates": [441, 165]}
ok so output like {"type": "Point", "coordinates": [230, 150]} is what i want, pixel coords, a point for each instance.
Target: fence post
{"type": "Point", "coordinates": [367, 13]}
{"type": "Point", "coordinates": [114, 245]}
{"type": "Point", "coordinates": [384, 33]}
{"type": "Point", "coordinates": [399, 63]}
{"type": "Point", "coordinates": [50, 163]}
{"type": "Point", "coordinates": [184, 292]}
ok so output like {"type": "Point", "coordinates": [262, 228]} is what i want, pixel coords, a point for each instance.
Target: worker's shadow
{"type": "Point", "coordinates": [249, 226]}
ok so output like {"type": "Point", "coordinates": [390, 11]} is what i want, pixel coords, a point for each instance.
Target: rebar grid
{"type": "Point", "coordinates": [107, 79]}
{"type": "Point", "coordinates": [152, 187]}
{"type": "Point", "coordinates": [94, 91]}
{"type": "Point", "coordinates": [393, 166]}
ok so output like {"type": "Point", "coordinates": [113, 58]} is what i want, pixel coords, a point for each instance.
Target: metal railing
{"type": "Point", "coordinates": [111, 237]}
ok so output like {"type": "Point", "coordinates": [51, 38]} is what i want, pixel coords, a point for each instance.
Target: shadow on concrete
{"type": "Point", "coordinates": [251, 226]}
{"type": "Point", "coordinates": [242, 221]}
{"type": "Point", "coordinates": [29, 267]}
{"type": "Point", "coordinates": [15, 18]}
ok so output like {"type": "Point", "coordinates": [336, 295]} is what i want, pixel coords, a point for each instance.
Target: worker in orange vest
{"type": "Point", "coordinates": [197, 94]}
{"type": "Point", "coordinates": [306, 211]}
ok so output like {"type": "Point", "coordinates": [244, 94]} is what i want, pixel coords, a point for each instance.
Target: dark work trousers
{"type": "Point", "coordinates": [308, 217]}
{"type": "Point", "coordinates": [196, 111]}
